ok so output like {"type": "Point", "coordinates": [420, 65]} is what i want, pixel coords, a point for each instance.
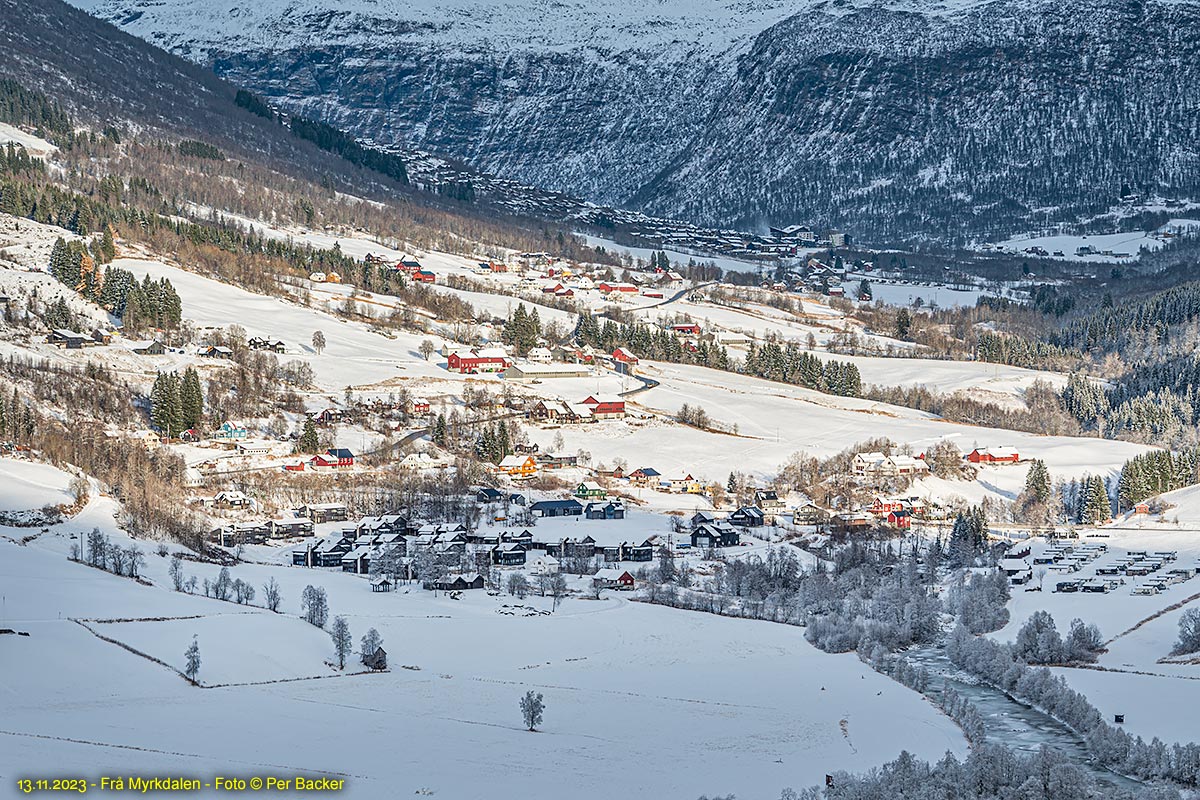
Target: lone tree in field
{"type": "Point", "coordinates": [371, 641]}
{"type": "Point", "coordinates": [340, 633]}
{"type": "Point", "coordinates": [426, 349]}
{"type": "Point", "coordinates": [192, 668]}
{"type": "Point", "coordinates": [531, 709]}
{"type": "Point", "coordinates": [318, 341]}
{"type": "Point", "coordinates": [271, 594]}
{"type": "Point", "coordinates": [314, 605]}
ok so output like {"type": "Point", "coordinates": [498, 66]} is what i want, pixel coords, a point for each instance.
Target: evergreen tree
{"type": "Point", "coordinates": [308, 441]}
{"type": "Point", "coordinates": [191, 399]}
{"type": "Point", "coordinates": [1037, 481]}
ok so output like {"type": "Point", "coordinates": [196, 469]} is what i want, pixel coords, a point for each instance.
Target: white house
{"type": "Point", "coordinates": [544, 565]}
{"type": "Point", "coordinates": [540, 355]}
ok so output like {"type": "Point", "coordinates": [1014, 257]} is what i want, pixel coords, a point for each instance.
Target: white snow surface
{"type": "Point", "coordinates": [27, 486]}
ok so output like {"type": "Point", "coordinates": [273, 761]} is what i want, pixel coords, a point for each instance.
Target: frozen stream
{"type": "Point", "coordinates": [1010, 722]}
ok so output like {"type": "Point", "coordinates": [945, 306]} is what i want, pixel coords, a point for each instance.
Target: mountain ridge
{"type": "Point", "coordinates": [892, 121]}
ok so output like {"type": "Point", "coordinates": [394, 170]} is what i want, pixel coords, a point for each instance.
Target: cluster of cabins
{"type": "Point", "coordinates": [1063, 558]}
{"type": "Point", "coordinates": [299, 523]}
{"type": "Point", "coordinates": [401, 541]}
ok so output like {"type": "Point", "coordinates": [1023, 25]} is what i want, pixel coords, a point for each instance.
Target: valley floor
{"type": "Point", "coordinates": [641, 701]}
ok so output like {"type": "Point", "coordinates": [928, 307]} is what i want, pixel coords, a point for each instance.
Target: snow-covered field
{"type": "Point", "coordinates": [1123, 246]}
{"type": "Point", "coordinates": [775, 420]}
{"type": "Point", "coordinates": [743, 707]}
{"type": "Point", "coordinates": [26, 485]}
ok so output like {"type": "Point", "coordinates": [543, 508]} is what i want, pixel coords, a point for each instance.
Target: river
{"type": "Point", "coordinates": [1010, 722]}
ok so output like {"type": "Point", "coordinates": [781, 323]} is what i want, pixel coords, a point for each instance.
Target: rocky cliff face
{"type": "Point", "coordinates": [888, 121]}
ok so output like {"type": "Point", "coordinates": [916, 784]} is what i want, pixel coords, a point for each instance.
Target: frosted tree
{"type": "Point", "coordinates": [175, 570]}
{"type": "Point", "coordinates": [314, 606]}
{"type": "Point", "coordinates": [340, 633]}
{"type": "Point", "coordinates": [518, 584]}
{"type": "Point", "coordinates": [271, 594]}
{"type": "Point", "coordinates": [1189, 633]}
{"type": "Point", "coordinates": [427, 349]}
{"type": "Point", "coordinates": [223, 587]}
{"type": "Point", "coordinates": [191, 666]}
{"type": "Point", "coordinates": [371, 641]}
{"type": "Point", "coordinates": [1084, 641]}
{"type": "Point", "coordinates": [243, 592]}
{"type": "Point", "coordinates": [318, 342]}
{"type": "Point", "coordinates": [1038, 641]}
{"type": "Point", "coordinates": [532, 708]}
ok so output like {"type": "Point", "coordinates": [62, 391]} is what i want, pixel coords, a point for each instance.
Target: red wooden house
{"type": "Point", "coordinates": [627, 288]}
{"type": "Point", "coordinates": [688, 327]}
{"type": "Point", "coordinates": [899, 519]}
{"type": "Point", "coordinates": [418, 406]}
{"type": "Point", "coordinates": [605, 406]}
{"type": "Point", "coordinates": [624, 356]}
{"type": "Point", "coordinates": [470, 364]}
{"type": "Point", "coordinates": [882, 505]}
{"type": "Point", "coordinates": [424, 276]}
{"type": "Point", "coordinates": [993, 455]}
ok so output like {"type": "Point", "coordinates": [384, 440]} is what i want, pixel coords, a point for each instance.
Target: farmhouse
{"type": "Point", "coordinates": [417, 406]}
{"type": "Point", "coordinates": [545, 565]}
{"type": "Point", "coordinates": [612, 578]}
{"type": "Point", "coordinates": [560, 411]}
{"type": "Point", "coordinates": [472, 363]}
{"type": "Point", "coordinates": [994, 455]}
{"type": "Point", "coordinates": [621, 288]}
{"type": "Point", "coordinates": [681, 484]}
{"type": "Point", "coordinates": [644, 476]}
{"type": "Point", "coordinates": [68, 339]}
{"type": "Point", "coordinates": [605, 406]}
{"type": "Point", "coordinates": [623, 356]}
{"type": "Point", "coordinates": [149, 347]}
{"type": "Point", "coordinates": [590, 489]}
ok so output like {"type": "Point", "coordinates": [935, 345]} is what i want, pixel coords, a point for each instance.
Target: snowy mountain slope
{"type": "Point", "coordinates": [892, 119]}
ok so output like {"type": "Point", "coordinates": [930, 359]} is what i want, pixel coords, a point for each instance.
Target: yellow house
{"type": "Point", "coordinates": [518, 466]}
